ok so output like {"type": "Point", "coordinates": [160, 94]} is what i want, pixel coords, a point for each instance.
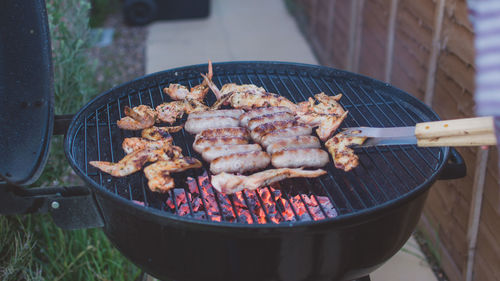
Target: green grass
{"type": "Point", "coordinates": [33, 247]}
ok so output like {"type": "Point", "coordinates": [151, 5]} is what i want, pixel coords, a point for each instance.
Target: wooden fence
{"type": "Point", "coordinates": [426, 48]}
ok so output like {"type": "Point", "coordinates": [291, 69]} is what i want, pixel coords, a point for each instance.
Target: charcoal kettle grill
{"type": "Point", "coordinates": [341, 226]}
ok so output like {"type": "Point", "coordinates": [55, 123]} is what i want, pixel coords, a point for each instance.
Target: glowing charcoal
{"type": "Point", "coordinates": [201, 201]}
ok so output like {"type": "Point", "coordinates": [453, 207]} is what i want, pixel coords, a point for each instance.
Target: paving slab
{"type": "Point", "coordinates": [409, 264]}
{"type": "Point", "coordinates": [235, 30]}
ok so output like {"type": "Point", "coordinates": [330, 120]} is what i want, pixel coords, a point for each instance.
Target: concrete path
{"type": "Point", "coordinates": [235, 30]}
{"type": "Point", "coordinates": [255, 30]}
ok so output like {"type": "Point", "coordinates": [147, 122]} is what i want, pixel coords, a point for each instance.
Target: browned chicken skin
{"type": "Point", "coordinates": [170, 111]}
{"type": "Point", "coordinates": [137, 118]}
{"type": "Point", "coordinates": [134, 161]}
{"type": "Point", "coordinates": [327, 114]}
{"type": "Point", "coordinates": [158, 174]}
{"type": "Point", "coordinates": [198, 92]}
{"type": "Point", "coordinates": [343, 156]}
{"type": "Point", "coordinates": [160, 133]}
{"type": "Point", "coordinates": [229, 183]}
{"type": "Point", "coordinates": [130, 145]}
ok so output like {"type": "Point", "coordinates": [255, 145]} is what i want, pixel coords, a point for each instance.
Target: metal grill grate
{"type": "Point", "coordinates": [384, 175]}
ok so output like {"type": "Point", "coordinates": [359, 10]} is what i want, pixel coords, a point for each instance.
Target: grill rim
{"type": "Point", "coordinates": [160, 215]}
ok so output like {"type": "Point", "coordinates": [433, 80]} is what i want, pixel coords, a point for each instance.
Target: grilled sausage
{"type": "Point", "coordinates": [203, 143]}
{"type": "Point", "coordinates": [300, 157]}
{"type": "Point", "coordinates": [259, 120]}
{"type": "Point", "coordinates": [196, 125]}
{"type": "Point", "coordinates": [300, 130]}
{"type": "Point", "coordinates": [224, 132]}
{"type": "Point", "coordinates": [235, 113]}
{"type": "Point", "coordinates": [293, 142]}
{"type": "Point", "coordinates": [245, 117]}
{"type": "Point", "coordinates": [258, 132]}
{"type": "Point", "coordinates": [240, 162]}
{"type": "Point", "coordinates": [212, 152]}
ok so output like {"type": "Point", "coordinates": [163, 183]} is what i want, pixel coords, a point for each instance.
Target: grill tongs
{"type": "Point", "coordinates": [459, 132]}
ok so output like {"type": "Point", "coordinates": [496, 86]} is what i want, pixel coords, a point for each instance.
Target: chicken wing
{"type": "Point", "coordinates": [179, 92]}
{"type": "Point", "coordinates": [170, 111]}
{"type": "Point", "coordinates": [229, 183]}
{"type": "Point", "coordinates": [249, 100]}
{"type": "Point", "coordinates": [176, 91]}
{"type": "Point", "coordinates": [137, 118]}
{"type": "Point", "coordinates": [159, 133]}
{"type": "Point", "coordinates": [158, 174]}
{"type": "Point", "coordinates": [194, 105]}
{"type": "Point", "coordinates": [130, 145]}
{"type": "Point", "coordinates": [134, 161]}
{"type": "Point", "coordinates": [343, 156]}
{"type": "Point", "coordinates": [130, 164]}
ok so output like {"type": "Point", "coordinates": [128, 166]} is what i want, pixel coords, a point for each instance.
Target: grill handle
{"type": "Point", "coordinates": [70, 207]}
{"type": "Point", "coordinates": [454, 168]}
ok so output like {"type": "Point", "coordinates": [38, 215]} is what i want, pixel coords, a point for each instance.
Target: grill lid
{"type": "Point", "coordinates": [26, 90]}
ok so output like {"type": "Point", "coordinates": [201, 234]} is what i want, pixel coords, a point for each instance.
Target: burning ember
{"type": "Point", "coordinates": [257, 206]}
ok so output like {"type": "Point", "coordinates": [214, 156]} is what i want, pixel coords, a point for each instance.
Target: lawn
{"type": "Point", "coordinates": [32, 247]}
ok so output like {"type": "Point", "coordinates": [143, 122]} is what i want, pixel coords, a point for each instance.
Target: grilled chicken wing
{"type": "Point", "coordinates": [160, 133]}
{"type": "Point", "coordinates": [232, 88]}
{"type": "Point", "coordinates": [130, 145]}
{"type": "Point", "coordinates": [343, 156]}
{"type": "Point", "coordinates": [228, 183]}
{"type": "Point", "coordinates": [198, 92]}
{"type": "Point", "coordinates": [137, 118]}
{"type": "Point", "coordinates": [135, 160]}
{"type": "Point", "coordinates": [158, 174]}
{"type": "Point", "coordinates": [249, 100]}
{"type": "Point", "coordinates": [176, 91]}
{"type": "Point", "coordinates": [193, 105]}
{"type": "Point", "coordinates": [170, 111]}
{"type": "Point", "coordinates": [130, 164]}
{"type": "Point", "coordinates": [240, 162]}
{"type": "Point", "coordinates": [248, 96]}
{"type": "Point", "coordinates": [326, 105]}
{"type": "Point", "coordinates": [327, 124]}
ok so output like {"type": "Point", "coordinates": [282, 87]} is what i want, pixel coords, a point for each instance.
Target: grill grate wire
{"type": "Point", "coordinates": [367, 186]}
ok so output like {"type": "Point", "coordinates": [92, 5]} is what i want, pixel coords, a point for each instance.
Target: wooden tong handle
{"type": "Point", "coordinates": [459, 132]}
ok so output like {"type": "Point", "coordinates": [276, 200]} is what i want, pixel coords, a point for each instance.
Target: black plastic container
{"type": "Point", "coordinates": [141, 12]}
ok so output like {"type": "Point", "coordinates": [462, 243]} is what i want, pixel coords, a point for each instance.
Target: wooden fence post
{"type": "Point", "coordinates": [355, 34]}
{"type": "Point", "coordinates": [475, 212]}
{"type": "Point", "coordinates": [435, 49]}
{"type": "Point", "coordinates": [390, 40]}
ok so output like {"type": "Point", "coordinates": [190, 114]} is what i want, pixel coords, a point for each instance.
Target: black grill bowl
{"type": "Point", "coordinates": [378, 204]}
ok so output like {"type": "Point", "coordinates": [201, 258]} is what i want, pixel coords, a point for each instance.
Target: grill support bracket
{"type": "Point", "coordinates": [70, 207]}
